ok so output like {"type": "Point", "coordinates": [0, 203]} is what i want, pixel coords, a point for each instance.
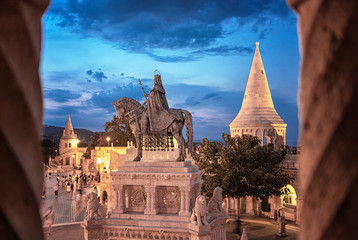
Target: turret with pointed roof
{"type": "Point", "coordinates": [69, 139]}
{"type": "Point", "coordinates": [258, 116]}
{"type": "Point", "coordinates": [68, 132]}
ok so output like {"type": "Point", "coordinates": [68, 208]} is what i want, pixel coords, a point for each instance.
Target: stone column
{"type": "Point", "coordinates": [152, 200]}
{"type": "Point", "coordinates": [328, 117]}
{"type": "Point", "coordinates": [258, 207]}
{"type": "Point", "coordinates": [237, 207]}
{"type": "Point", "coordinates": [198, 189]}
{"type": "Point", "coordinates": [119, 199]}
{"type": "Point", "coordinates": [299, 204]}
{"type": "Point", "coordinates": [187, 202]}
{"type": "Point", "coordinates": [184, 202]}
{"type": "Point", "coordinates": [250, 205]}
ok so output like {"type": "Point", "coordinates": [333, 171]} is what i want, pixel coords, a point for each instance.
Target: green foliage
{"type": "Point", "coordinates": [95, 139]}
{"type": "Point", "coordinates": [118, 131]}
{"type": "Point", "coordinates": [241, 167]}
{"type": "Point", "coordinates": [49, 148]}
{"type": "Point", "coordinates": [82, 144]}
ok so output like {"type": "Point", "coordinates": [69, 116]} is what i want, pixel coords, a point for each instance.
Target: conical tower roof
{"type": "Point", "coordinates": [257, 106]}
{"type": "Point", "coordinates": [68, 132]}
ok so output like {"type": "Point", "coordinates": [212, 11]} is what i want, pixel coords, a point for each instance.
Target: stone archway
{"type": "Point", "coordinates": [289, 196]}
{"type": "Point", "coordinates": [104, 198]}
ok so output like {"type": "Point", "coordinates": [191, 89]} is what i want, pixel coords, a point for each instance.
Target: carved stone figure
{"type": "Point", "coordinates": [162, 119]}
{"type": "Point", "coordinates": [198, 217]}
{"type": "Point", "coordinates": [95, 210]}
{"type": "Point", "coordinates": [157, 112]}
{"type": "Point", "coordinates": [243, 235]}
{"type": "Point", "coordinates": [215, 203]}
{"type": "Point", "coordinates": [281, 226]}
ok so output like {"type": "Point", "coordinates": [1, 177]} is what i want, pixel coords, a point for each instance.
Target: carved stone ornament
{"type": "Point", "coordinates": [171, 199]}
{"type": "Point", "coordinates": [215, 203]}
{"type": "Point", "coordinates": [94, 208]}
{"type": "Point", "coordinates": [138, 198]}
{"type": "Point", "coordinates": [198, 216]}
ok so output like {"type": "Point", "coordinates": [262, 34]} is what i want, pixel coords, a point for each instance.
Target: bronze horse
{"type": "Point", "coordinates": [132, 111]}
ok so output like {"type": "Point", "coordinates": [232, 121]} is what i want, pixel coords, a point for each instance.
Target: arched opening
{"type": "Point", "coordinates": [266, 140]}
{"type": "Point", "coordinates": [265, 205]}
{"type": "Point", "coordinates": [104, 198]}
{"type": "Point", "coordinates": [288, 198]}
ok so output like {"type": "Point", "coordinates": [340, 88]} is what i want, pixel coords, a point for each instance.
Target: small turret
{"type": "Point", "coordinates": [69, 139]}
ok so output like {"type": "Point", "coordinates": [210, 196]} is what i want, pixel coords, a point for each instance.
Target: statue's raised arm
{"type": "Point", "coordinates": [145, 95]}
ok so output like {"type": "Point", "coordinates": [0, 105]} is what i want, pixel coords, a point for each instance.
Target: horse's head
{"type": "Point", "coordinates": [125, 105]}
{"type": "Point", "coordinates": [120, 109]}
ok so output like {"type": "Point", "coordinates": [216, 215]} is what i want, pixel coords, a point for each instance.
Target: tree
{"type": "Point", "coordinates": [49, 148]}
{"type": "Point", "coordinates": [82, 144]}
{"type": "Point", "coordinates": [118, 131]}
{"type": "Point", "coordinates": [95, 139]}
{"type": "Point", "coordinates": [241, 167]}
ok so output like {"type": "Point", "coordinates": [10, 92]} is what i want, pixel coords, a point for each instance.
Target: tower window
{"type": "Point", "coordinates": [69, 145]}
{"type": "Point", "coordinates": [65, 145]}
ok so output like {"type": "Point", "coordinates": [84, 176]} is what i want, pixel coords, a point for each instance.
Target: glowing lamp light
{"type": "Point", "coordinates": [75, 142]}
{"type": "Point", "coordinates": [99, 160]}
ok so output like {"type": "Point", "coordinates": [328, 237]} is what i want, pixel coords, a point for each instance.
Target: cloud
{"type": "Point", "coordinates": [61, 96]}
{"type": "Point", "coordinates": [212, 95]}
{"type": "Point", "coordinates": [142, 26]}
{"type": "Point", "coordinates": [190, 101]}
{"type": "Point", "coordinates": [98, 76]}
{"type": "Point", "coordinates": [212, 109]}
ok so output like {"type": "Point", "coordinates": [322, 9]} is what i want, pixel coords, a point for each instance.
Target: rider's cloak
{"type": "Point", "coordinates": [158, 109]}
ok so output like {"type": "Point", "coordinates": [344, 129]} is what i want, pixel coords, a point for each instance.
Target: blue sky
{"type": "Point", "coordinates": [95, 51]}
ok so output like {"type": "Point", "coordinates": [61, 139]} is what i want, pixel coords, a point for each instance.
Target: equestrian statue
{"type": "Point", "coordinates": [155, 118]}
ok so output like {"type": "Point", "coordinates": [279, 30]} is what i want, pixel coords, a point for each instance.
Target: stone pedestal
{"type": "Point", "coordinates": [202, 232]}
{"type": "Point", "coordinates": [153, 200]}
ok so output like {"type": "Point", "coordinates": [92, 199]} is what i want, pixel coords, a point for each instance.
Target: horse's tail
{"type": "Point", "coordinates": [188, 122]}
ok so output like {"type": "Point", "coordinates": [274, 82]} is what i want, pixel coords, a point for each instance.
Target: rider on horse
{"type": "Point", "coordinates": [157, 111]}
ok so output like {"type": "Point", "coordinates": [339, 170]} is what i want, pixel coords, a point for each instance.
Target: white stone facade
{"type": "Point", "coordinates": [258, 116]}
{"type": "Point", "coordinates": [152, 199]}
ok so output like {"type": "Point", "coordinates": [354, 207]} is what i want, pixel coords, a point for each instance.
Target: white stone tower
{"type": "Point", "coordinates": [69, 140]}
{"type": "Point", "coordinates": [258, 116]}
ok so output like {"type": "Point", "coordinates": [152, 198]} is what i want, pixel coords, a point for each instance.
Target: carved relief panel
{"type": "Point", "coordinates": [135, 198]}
{"type": "Point", "coordinates": [168, 199]}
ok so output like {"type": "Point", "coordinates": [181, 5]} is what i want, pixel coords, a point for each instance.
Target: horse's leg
{"type": "Point", "coordinates": [180, 125]}
{"type": "Point", "coordinates": [176, 131]}
{"type": "Point", "coordinates": [138, 138]}
{"type": "Point", "coordinates": [177, 137]}
{"type": "Point", "coordinates": [183, 144]}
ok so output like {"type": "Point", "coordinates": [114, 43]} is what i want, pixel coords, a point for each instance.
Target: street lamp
{"type": "Point", "coordinates": [108, 140]}
{"type": "Point", "coordinates": [99, 161]}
